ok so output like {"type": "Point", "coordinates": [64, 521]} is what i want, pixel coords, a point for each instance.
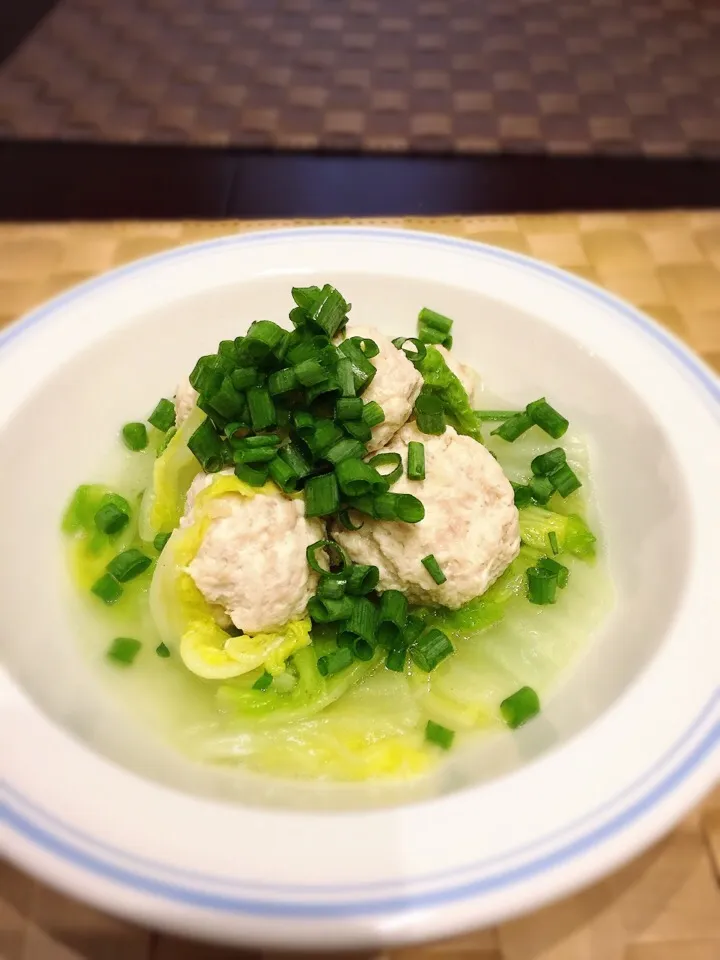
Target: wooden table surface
{"type": "Point", "coordinates": [663, 906]}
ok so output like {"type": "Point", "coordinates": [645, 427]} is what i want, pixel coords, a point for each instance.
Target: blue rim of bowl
{"type": "Point", "coordinates": [685, 757]}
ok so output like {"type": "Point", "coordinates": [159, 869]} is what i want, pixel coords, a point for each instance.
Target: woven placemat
{"type": "Point", "coordinates": [557, 76]}
{"type": "Point", "coordinates": [663, 906]}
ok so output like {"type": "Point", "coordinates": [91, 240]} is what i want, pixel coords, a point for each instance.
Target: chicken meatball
{"type": "Point", "coordinates": [185, 399]}
{"type": "Point", "coordinates": [251, 564]}
{"type": "Point", "coordinates": [466, 375]}
{"type": "Point", "coordinates": [395, 386]}
{"type": "Point", "coordinates": [470, 525]}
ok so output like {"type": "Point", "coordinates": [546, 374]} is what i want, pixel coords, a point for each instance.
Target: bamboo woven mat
{"type": "Point", "coordinates": [663, 906]}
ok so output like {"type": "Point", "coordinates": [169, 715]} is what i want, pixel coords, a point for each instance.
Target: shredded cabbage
{"type": "Point", "coordinates": [442, 382]}
{"type": "Point", "coordinates": [186, 620]}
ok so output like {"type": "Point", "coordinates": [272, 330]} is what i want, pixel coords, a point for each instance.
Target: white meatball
{"type": "Point", "coordinates": [466, 375]}
{"type": "Point", "coordinates": [395, 386]}
{"type": "Point", "coordinates": [185, 399]}
{"type": "Point", "coordinates": [251, 562]}
{"type": "Point", "coordinates": [470, 526]}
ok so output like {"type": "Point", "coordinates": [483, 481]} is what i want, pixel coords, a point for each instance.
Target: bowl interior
{"type": "Point", "coordinates": [65, 435]}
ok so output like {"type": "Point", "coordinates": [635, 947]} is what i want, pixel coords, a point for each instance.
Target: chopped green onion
{"type": "Point", "coordinates": [373, 414]}
{"type": "Point", "coordinates": [416, 460]}
{"type": "Point", "coordinates": [358, 429]}
{"type": "Point", "coordinates": [321, 496]}
{"type": "Point", "coordinates": [349, 408]}
{"type": "Point", "coordinates": [335, 556]}
{"type": "Point", "coordinates": [413, 628]}
{"type": "Point", "coordinates": [392, 617]}
{"type": "Point", "coordinates": [163, 416]}
{"type": "Point", "coordinates": [553, 540]}
{"type": "Point", "coordinates": [310, 372]}
{"type": "Point", "coordinates": [542, 585]}
{"type": "Point", "coordinates": [541, 489]}
{"type": "Point", "coordinates": [357, 478]}
{"type": "Point", "coordinates": [558, 569]}
{"type": "Point", "coordinates": [335, 662]}
{"type": "Point", "coordinates": [393, 460]}
{"type": "Point", "coordinates": [441, 323]}
{"type": "Point", "coordinates": [135, 436]}
{"type": "Point", "coordinates": [430, 649]}
{"type": "Point", "coordinates": [363, 371]}
{"type": "Point", "coordinates": [369, 348]}
{"type": "Point", "coordinates": [330, 610]}
{"type": "Point", "coordinates": [362, 579]}
{"type": "Point", "coordinates": [325, 435]}
{"type": "Point", "coordinates": [207, 447]}
{"type": "Point", "coordinates": [362, 649]}
{"type": "Point", "coordinates": [217, 419]}
{"type": "Point", "coordinates": [398, 506]}
{"type": "Point", "coordinates": [128, 565]}
{"type": "Point", "coordinates": [414, 355]}
{"type": "Point", "coordinates": [283, 475]}
{"type": "Point", "coordinates": [160, 541]}
{"type": "Point", "coordinates": [113, 514]}
{"type": "Point", "coordinates": [165, 440]}
{"type": "Point", "coordinates": [331, 587]}
{"type": "Point", "coordinates": [328, 386]}
{"type": "Point", "coordinates": [262, 408]}
{"type": "Point", "coordinates": [513, 427]}
{"type": "Point", "coordinates": [520, 707]}
{"type": "Point", "coordinates": [282, 381]}
{"type": "Point", "coordinates": [433, 568]}
{"type": "Point", "coordinates": [345, 378]}
{"type": "Point", "coordinates": [396, 659]}
{"type": "Point", "coordinates": [207, 374]}
{"type": "Point", "coordinates": [263, 681]}
{"type": "Point", "coordinates": [363, 619]}
{"type": "Point", "coordinates": [523, 494]}
{"type": "Point", "coordinates": [439, 735]}
{"type": "Point", "coordinates": [244, 377]}
{"type": "Point", "coordinates": [347, 523]}
{"type": "Point", "coordinates": [430, 414]}
{"type": "Point", "coordinates": [564, 480]}
{"type": "Point", "coordinates": [495, 415]}
{"type": "Point", "coordinates": [162, 651]}
{"type": "Point", "coordinates": [259, 343]}
{"type": "Point", "coordinates": [293, 457]}
{"type": "Point", "coordinates": [123, 650]}
{"type": "Point", "coordinates": [434, 327]}
{"type": "Point", "coordinates": [226, 348]}
{"type": "Point", "coordinates": [304, 424]}
{"type": "Point", "coordinates": [305, 297]}
{"type": "Point", "coordinates": [329, 310]}
{"type": "Point", "coordinates": [107, 588]}
{"type": "Point", "coordinates": [547, 418]}
{"type": "Point", "coordinates": [246, 454]}
{"type": "Point", "coordinates": [226, 400]}
{"type": "Point", "coordinates": [252, 476]}
{"type": "Point", "coordinates": [262, 440]}
{"type": "Point", "coordinates": [544, 464]}
{"type": "Point", "coordinates": [345, 449]}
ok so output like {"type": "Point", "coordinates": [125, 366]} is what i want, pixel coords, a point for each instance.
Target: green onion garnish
{"type": "Point", "coordinates": [494, 415]}
{"type": "Point", "coordinates": [305, 297]}
{"type": "Point", "coordinates": [345, 378]}
{"type": "Point", "coordinates": [262, 408]}
{"type": "Point", "coordinates": [244, 377]}
{"type": "Point", "coordinates": [162, 651]}
{"type": "Point", "coordinates": [243, 453]}
{"type": "Point", "coordinates": [293, 457]}
{"type": "Point", "coordinates": [163, 416]}
{"type": "Point", "coordinates": [520, 707]}
{"type": "Point", "coordinates": [282, 381]}
{"type": "Point", "coordinates": [259, 343]}
{"type": "Point", "coordinates": [439, 735]}
{"type": "Point", "coordinates": [165, 440]}
{"type": "Point", "coordinates": [393, 460]}
{"type": "Point", "coordinates": [433, 568]}
{"type": "Point", "coordinates": [396, 659]}
{"type": "Point", "coordinates": [207, 447]}
{"type": "Point", "coordinates": [373, 414]}
{"type": "Point", "coordinates": [135, 436]}
{"type": "Point", "coordinates": [523, 495]}
{"type": "Point", "coordinates": [347, 523]}
{"type": "Point", "coordinates": [431, 649]}
{"type": "Point", "coordinates": [542, 585]}
{"type": "Point", "coordinates": [513, 427]}
{"type": "Point", "coordinates": [128, 565]}
{"type": "Point", "coordinates": [392, 617]}
{"type": "Point", "coordinates": [430, 414]}
{"type": "Point", "coordinates": [349, 408]}
{"type": "Point", "coordinates": [252, 476]}
{"type": "Point", "coordinates": [160, 540]}
{"type": "Point", "coordinates": [362, 579]}
{"type": "Point", "coordinates": [263, 681]}
{"type": "Point", "coordinates": [434, 327]}
{"type": "Point", "coordinates": [325, 434]}
{"type": "Point", "coordinates": [363, 619]}
{"type": "Point", "coordinates": [329, 310]}
{"type": "Point", "coordinates": [207, 374]}
{"type": "Point", "coordinates": [321, 495]}
{"type": "Point", "coordinates": [329, 609]}
{"type": "Point", "coordinates": [357, 478]}
{"type": "Point", "coordinates": [331, 587]}
{"type": "Point", "coordinates": [413, 628]}
{"type": "Point", "coordinates": [123, 650]}
{"type": "Point", "coordinates": [107, 588]}
{"type": "Point", "coordinates": [369, 348]}
{"type": "Point", "coordinates": [310, 372]}
{"type": "Point", "coordinates": [363, 371]}
{"type": "Point", "coordinates": [565, 480]}
{"type": "Point", "coordinates": [541, 489]}
{"type": "Point", "coordinates": [335, 662]}
{"type": "Point", "coordinates": [113, 515]}
{"type": "Point", "coordinates": [398, 506]}
{"type": "Point", "coordinates": [304, 424]}
{"type": "Point", "coordinates": [226, 400]}
{"type": "Point", "coordinates": [547, 462]}
{"type": "Point", "coordinates": [558, 569]}
{"type": "Point", "coordinates": [358, 429]}
{"type": "Point", "coordinates": [553, 540]}
{"type": "Point", "coordinates": [416, 460]}
{"type": "Point", "coordinates": [418, 349]}
{"type": "Point", "coordinates": [335, 557]}
{"type": "Point", "coordinates": [547, 418]}
{"type": "Point", "coordinates": [346, 449]}
{"type": "Point", "coordinates": [283, 475]}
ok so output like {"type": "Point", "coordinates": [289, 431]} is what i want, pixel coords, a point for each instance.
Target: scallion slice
{"type": "Point", "coordinates": [113, 514]}
{"type": "Point", "coordinates": [123, 650]}
{"type": "Point", "coordinates": [107, 589]}
{"type": "Point", "coordinates": [545, 463]}
{"type": "Point", "coordinates": [246, 454]}
{"type": "Point", "coordinates": [398, 506]}
{"type": "Point", "coordinates": [228, 401]}
{"type": "Point", "coordinates": [373, 414]}
{"type": "Point", "coordinates": [135, 436]}
{"type": "Point", "coordinates": [553, 541]}
{"type": "Point", "coordinates": [396, 659]}
{"type": "Point", "coordinates": [295, 459]}
{"type": "Point", "coordinates": [564, 480]}
{"type": "Point", "coordinates": [252, 476]}
{"type": "Point", "coordinates": [335, 662]}
{"type": "Point", "coordinates": [430, 414]}
{"type": "Point", "coordinates": [523, 495]}
{"type": "Point", "coordinates": [358, 429]}
{"type": "Point", "coordinates": [541, 489]}
{"type": "Point", "coordinates": [542, 585]}
{"type": "Point", "coordinates": [433, 568]}
{"type": "Point", "coordinates": [162, 651]}
{"type": "Point", "coordinates": [433, 327]}
{"type": "Point", "coordinates": [513, 427]}
{"type": "Point", "coordinates": [417, 351]}
{"type": "Point", "coordinates": [160, 541]}
{"type": "Point", "coordinates": [244, 377]}
{"type": "Point", "coordinates": [431, 649]}
{"type": "Point", "coordinates": [263, 681]}
{"type": "Point", "coordinates": [321, 495]}
{"type": "Point", "coordinates": [495, 415]}
{"type": "Point", "coordinates": [259, 343]}
{"type": "Point", "coordinates": [520, 707]}
{"type": "Point", "coordinates": [304, 424]}
{"type": "Point", "coordinates": [363, 371]}
{"type": "Point", "coordinates": [165, 440]}
{"type": "Point", "coordinates": [310, 372]}
{"type": "Point", "coordinates": [369, 348]}
{"type": "Point", "coordinates": [128, 565]}
{"type": "Point", "coordinates": [331, 587]}
{"type": "Point", "coordinates": [325, 434]}
{"type": "Point", "coordinates": [349, 408]}
{"type": "Point", "coordinates": [363, 619]}
{"type": "Point", "coordinates": [361, 579]}
{"type": "Point", "coordinates": [392, 617]}
{"type": "Point", "coordinates": [413, 628]}
{"type": "Point", "coordinates": [547, 418]}
{"type": "Point", "coordinates": [283, 475]}
{"type": "Point", "coordinates": [357, 478]}
{"type": "Point", "coordinates": [345, 520]}
{"type": "Point", "coordinates": [335, 556]}
{"type": "Point", "coordinates": [329, 310]}
{"type": "Point", "coordinates": [345, 449]}
{"type": "Point", "coordinates": [207, 447]}
{"type": "Point", "coordinates": [282, 381]}
{"type": "Point", "coordinates": [441, 736]}
{"type": "Point", "coordinates": [262, 408]}
{"type": "Point", "coordinates": [330, 610]}
{"type": "Point", "coordinates": [559, 569]}
{"type": "Point", "coordinates": [416, 460]}
{"type": "Point", "coordinates": [163, 416]}
{"type": "Point", "coordinates": [345, 378]}
{"type": "Point", "coordinates": [393, 460]}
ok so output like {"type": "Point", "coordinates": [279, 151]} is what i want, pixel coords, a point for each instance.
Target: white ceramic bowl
{"type": "Point", "coordinates": [624, 748]}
